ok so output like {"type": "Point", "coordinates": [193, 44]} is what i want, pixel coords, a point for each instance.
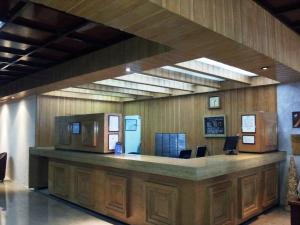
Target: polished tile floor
{"type": "Point", "coordinates": [20, 206]}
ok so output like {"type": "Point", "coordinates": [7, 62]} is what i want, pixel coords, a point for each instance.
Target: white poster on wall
{"type": "Point", "coordinates": [112, 141]}
{"type": "Point", "coordinates": [113, 123]}
{"type": "Point", "coordinates": [248, 124]}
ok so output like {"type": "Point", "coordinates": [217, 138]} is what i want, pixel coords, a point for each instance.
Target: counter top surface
{"type": "Point", "coordinates": [191, 169]}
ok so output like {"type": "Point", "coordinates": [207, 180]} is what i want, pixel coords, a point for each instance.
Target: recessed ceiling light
{"type": "Point", "coordinates": [179, 70]}
{"type": "Point", "coordinates": [226, 67]}
{"type": "Point", "coordinates": [128, 69]}
{"type": "Point", "coordinates": [1, 24]}
{"type": "Point", "coordinates": [265, 68]}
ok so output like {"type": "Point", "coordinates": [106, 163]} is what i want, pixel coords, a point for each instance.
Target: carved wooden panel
{"type": "Point", "coordinates": [270, 194]}
{"type": "Point", "coordinates": [161, 204]}
{"type": "Point", "coordinates": [248, 195]}
{"type": "Point", "coordinates": [84, 186]}
{"type": "Point", "coordinates": [59, 179]}
{"type": "Point", "coordinates": [89, 133]}
{"type": "Point", "coordinates": [220, 203]}
{"type": "Point", "coordinates": [116, 195]}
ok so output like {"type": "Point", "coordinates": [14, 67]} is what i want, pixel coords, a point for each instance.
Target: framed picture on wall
{"type": "Point", "coordinates": [249, 123]}
{"type": "Point", "coordinates": [248, 139]}
{"type": "Point", "coordinates": [214, 126]}
{"type": "Point", "coordinates": [296, 119]}
{"type": "Point", "coordinates": [214, 102]}
{"type": "Point", "coordinates": [113, 123]}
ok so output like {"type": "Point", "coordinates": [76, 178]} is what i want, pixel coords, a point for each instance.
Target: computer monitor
{"type": "Point", "coordinates": [185, 154]}
{"type": "Point", "coordinates": [201, 151]}
{"type": "Point", "coordinates": [230, 144]}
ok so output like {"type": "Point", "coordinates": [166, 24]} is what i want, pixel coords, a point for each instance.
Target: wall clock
{"type": "Point", "coordinates": [214, 102]}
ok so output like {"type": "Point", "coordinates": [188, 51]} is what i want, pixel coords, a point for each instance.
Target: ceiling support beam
{"type": "Point", "coordinates": [172, 75]}
{"type": "Point", "coordinates": [95, 92]}
{"type": "Point", "coordinates": [137, 86]}
{"type": "Point", "coordinates": [98, 87]}
{"type": "Point", "coordinates": [214, 71]}
{"type": "Point", "coordinates": [65, 94]}
{"type": "Point", "coordinates": [158, 82]}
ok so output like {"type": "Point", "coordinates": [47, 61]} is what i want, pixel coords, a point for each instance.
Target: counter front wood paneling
{"type": "Point", "coordinates": [220, 205]}
{"type": "Point", "coordinates": [116, 193]}
{"type": "Point", "coordinates": [118, 187]}
{"type": "Point", "coordinates": [161, 204]}
{"type": "Point", "coordinates": [249, 195]}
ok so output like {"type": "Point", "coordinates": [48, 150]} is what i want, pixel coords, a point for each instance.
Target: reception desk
{"type": "Point", "coordinates": [140, 189]}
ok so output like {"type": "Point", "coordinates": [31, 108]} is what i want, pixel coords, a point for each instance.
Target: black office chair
{"type": "Point", "coordinates": [3, 159]}
{"type": "Point", "coordinates": [201, 151]}
{"type": "Point", "coordinates": [185, 154]}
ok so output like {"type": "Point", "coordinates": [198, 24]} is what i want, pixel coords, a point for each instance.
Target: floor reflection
{"type": "Point", "coordinates": [20, 206]}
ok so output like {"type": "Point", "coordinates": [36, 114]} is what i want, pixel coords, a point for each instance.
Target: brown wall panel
{"type": "Point", "coordinates": [173, 114]}
{"type": "Point", "coordinates": [185, 114]}
{"type": "Point", "coordinates": [49, 107]}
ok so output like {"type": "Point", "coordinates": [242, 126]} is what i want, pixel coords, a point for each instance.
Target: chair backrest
{"type": "Point", "coordinates": [201, 151]}
{"type": "Point", "coordinates": [3, 159]}
{"type": "Point", "coordinates": [185, 154]}
{"type": "Point", "coordinates": [3, 156]}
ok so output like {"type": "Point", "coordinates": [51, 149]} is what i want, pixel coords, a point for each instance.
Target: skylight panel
{"type": "Point", "coordinates": [226, 67]}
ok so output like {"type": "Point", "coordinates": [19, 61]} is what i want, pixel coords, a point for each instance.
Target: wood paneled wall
{"type": "Point", "coordinates": [49, 107]}
{"type": "Point", "coordinates": [185, 114]}
{"type": "Point", "coordinates": [173, 114]}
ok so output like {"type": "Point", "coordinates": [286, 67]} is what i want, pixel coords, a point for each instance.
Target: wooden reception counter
{"type": "Point", "coordinates": [140, 189]}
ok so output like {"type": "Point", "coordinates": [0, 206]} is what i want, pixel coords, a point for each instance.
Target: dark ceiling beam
{"type": "Point", "coordinates": [81, 25]}
{"type": "Point", "coordinates": [296, 24]}
{"type": "Point", "coordinates": [287, 8]}
{"type": "Point", "coordinates": [7, 77]}
{"type": "Point", "coordinates": [19, 39]}
{"type": "Point", "coordinates": [12, 51]}
{"type": "Point", "coordinates": [33, 25]}
{"type": "Point", "coordinates": [12, 73]}
{"type": "Point", "coordinates": [101, 64]}
{"type": "Point", "coordinates": [34, 64]}
{"type": "Point", "coordinates": [278, 12]}
{"type": "Point", "coordinates": [4, 9]}
{"type": "Point", "coordinates": [42, 27]}
{"type": "Point", "coordinates": [6, 60]}
{"type": "Point", "coordinates": [15, 11]}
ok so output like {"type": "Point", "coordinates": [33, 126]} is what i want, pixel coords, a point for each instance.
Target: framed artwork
{"type": "Point", "coordinates": [249, 123]}
{"type": "Point", "coordinates": [130, 124]}
{"type": "Point", "coordinates": [296, 119]}
{"type": "Point", "coordinates": [248, 139]}
{"type": "Point", "coordinates": [214, 102]}
{"type": "Point", "coordinates": [113, 123]}
{"type": "Point", "coordinates": [215, 126]}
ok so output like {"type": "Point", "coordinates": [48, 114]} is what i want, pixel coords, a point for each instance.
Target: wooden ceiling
{"type": "Point", "coordinates": [191, 77]}
{"type": "Point", "coordinates": [35, 37]}
{"type": "Point", "coordinates": [287, 11]}
{"type": "Point", "coordinates": [169, 32]}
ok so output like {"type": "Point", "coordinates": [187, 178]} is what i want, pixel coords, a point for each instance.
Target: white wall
{"type": "Point", "coordinates": [288, 101]}
{"type": "Point", "coordinates": [17, 134]}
